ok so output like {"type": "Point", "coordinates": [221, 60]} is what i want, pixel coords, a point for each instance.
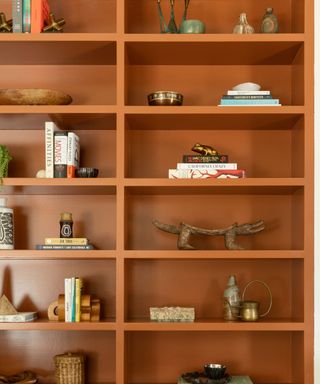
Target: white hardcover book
{"type": "Point", "coordinates": [248, 92]}
{"type": "Point", "coordinates": [50, 128]}
{"type": "Point", "coordinates": [19, 317]}
{"type": "Point", "coordinates": [73, 156]}
{"type": "Point", "coordinates": [207, 165]}
{"type": "Point", "coordinates": [67, 300]}
{"type": "Point", "coordinates": [73, 299]}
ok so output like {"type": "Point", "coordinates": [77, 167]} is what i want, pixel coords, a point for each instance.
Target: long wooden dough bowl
{"type": "Point", "coordinates": [33, 97]}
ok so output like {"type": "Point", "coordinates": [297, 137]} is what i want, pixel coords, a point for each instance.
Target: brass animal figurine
{"type": "Point", "coordinates": [203, 149]}
{"type": "Point", "coordinates": [54, 25]}
{"type": "Point", "coordinates": [184, 232]}
{"type": "Point", "coordinates": [5, 26]}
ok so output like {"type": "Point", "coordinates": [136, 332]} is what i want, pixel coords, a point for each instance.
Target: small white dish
{"type": "Point", "coordinates": [247, 87]}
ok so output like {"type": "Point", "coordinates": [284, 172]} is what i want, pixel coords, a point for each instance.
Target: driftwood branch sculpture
{"type": "Point", "coordinates": [184, 231]}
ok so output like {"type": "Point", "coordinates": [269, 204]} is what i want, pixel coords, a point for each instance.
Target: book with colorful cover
{"type": "Point", "coordinates": [73, 154]}
{"type": "Point", "coordinates": [26, 16]}
{"type": "Point", "coordinates": [68, 300]}
{"type": "Point", "coordinates": [249, 102]}
{"type": "Point", "coordinates": [17, 16]}
{"type": "Point", "coordinates": [66, 241]}
{"type": "Point", "coordinates": [205, 159]}
{"type": "Point", "coordinates": [205, 174]}
{"type": "Point", "coordinates": [207, 165]}
{"type": "Point", "coordinates": [40, 11]}
{"type": "Point", "coordinates": [60, 154]}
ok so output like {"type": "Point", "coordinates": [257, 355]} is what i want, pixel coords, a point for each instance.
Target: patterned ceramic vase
{"type": "Point", "coordinates": [6, 226]}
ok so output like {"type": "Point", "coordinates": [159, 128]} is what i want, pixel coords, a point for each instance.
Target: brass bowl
{"type": "Point", "coordinates": [165, 98]}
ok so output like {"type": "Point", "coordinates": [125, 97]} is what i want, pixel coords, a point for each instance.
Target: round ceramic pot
{"type": "Point", "coordinates": [192, 26]}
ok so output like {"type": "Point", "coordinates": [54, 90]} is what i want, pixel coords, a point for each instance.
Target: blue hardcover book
{"type": "Point", "coordinates": [249, 102]}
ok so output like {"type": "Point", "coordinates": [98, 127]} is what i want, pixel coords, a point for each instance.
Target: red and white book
{"type": "Point", "coordinates": [206, 173]}
{"type": "Point", "coordinates": [207, 166]}
{"type": "Point", "coordinates": [73, 156]}
{"type": "Point", "coordinates": [40, 11]}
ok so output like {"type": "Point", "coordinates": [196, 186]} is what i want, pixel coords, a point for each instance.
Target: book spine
{"type": "Point", "coordinates": [248, 92]}
{"type": "Point", "coordinates": [36, 26]}
{"type": "Point", "coordinates": [65, 241]}
{"type": "Point", "coordinates": [67, 299]}
{"type": "Point", "coordinates": [206, 165]}
{"type": "Point", "coordinates": [73, 157]}
{"type": "Point", "coordinates": [245, 97]}
{"type": "Point", "coordinates": [73, 299]}
{"type": "Point", "coordinates": [205, 159]}
{"type": "Point", "coordinates": [17, 13]}
{"type": "Point", "coordinates": [79, 284]}
{"type": "Point", "coordinates": [249, 102]}
{"type": "Point", "coordinates": [26, 16]}
{"type": "Point", "coordinates": [205, 174]}
{"type": "Point", "coordinates": [64, 247]}
{"type": "Point", "coordinates": [50, 127]}
{"type": "Point", "coordinates": [60, 154]}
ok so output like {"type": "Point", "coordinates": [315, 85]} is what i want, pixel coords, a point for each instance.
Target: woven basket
{"type": "Point", "coordinates": [69, 368]}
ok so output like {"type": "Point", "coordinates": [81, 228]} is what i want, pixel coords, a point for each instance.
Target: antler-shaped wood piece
{"type": "Point", "coordinates": [184, 231]}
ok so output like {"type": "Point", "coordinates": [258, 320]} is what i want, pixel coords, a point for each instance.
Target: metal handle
{"type": "Point", "coordinates": [268, 290]}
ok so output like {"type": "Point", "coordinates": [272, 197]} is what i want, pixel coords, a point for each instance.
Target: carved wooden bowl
{"type": "Point", "coordinates": [36, 96]}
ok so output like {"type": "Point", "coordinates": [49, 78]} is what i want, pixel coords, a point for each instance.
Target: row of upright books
{"type": "Point", "coordinates": [29, 16]}
{"type": "Point", "coordinates": [207, 164]}
{"type": "Point", "coordinates": [249, 98]}
{"type": "Point", "coordinates": [62, 152]}
{"type": "Point", "coordinates": [72, 299]}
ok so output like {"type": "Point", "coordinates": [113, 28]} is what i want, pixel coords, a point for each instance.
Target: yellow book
{"type": "Point", "coordinates": [66, 241]}
{"type": "Point", "coordinates": [79, 284]}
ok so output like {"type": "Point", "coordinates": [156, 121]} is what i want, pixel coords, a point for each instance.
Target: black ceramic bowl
{"type": "Point", "coordinates": [87, 172]}
{"type": "Point", "coordinates": [215, 371]}
{"type": "Point", "coordinates": [165, 98]}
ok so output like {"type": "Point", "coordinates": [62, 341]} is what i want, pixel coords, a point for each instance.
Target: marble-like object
{"type": "Point", "coordinates": [247, 87]}
{"type": "Point", "coordinates": [41, 174]}
{"type": "Point", "coordinates": [172, 314]}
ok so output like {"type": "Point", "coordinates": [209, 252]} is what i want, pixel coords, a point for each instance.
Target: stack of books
{"type": "Point", "coordinates": [29, 16]}
{"type": "Point", "coordinates": [62, 152]}
{"type": "Point", "coordinates": [56, 243]}
{"type": "Point", "coordinates": [72, 299]}
{"type": "Point", "coordinates": [249, 98]}
{"type": "Point", "coordinates": [204, 167]}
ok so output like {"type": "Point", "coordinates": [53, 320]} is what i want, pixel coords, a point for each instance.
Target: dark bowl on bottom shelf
{"type": "Point", "coordinates": [215, 371]}
{"type": "Point", "coordinates": [165, 98]}
{"type": "Point", "coordinates": [87, 172]}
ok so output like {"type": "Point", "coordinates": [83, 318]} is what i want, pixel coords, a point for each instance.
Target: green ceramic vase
{"type": "Point", "coordinates": [192, 26]}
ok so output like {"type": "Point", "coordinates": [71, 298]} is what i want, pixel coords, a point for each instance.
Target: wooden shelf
{"type": "Point", "coordinates": [46, 325]}
{"type": "Point", "coordinates": [24, 254]}
{"type": "Point", "coordinates": [216, 325]}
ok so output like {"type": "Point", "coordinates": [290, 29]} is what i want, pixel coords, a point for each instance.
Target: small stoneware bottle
{"type": "Point", "coordinates": [243, 25]}
{"type": "Point", "coordinates": [231, 300]}
{"type": "Point", "coordinates": [6, 225]}
{"type": "Point", "coordinates": [66, 225]}
{"type": "Point", "coordinates": [269, 22]}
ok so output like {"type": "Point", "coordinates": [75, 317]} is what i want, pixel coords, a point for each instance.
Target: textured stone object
{"type": "Point", "coordinates": [33, 96]}
{"type": "Point", "coordinates": [172, 314]}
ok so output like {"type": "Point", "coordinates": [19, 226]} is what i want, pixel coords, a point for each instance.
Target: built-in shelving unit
{"type": "Point", "coordinates": [110, 56]}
